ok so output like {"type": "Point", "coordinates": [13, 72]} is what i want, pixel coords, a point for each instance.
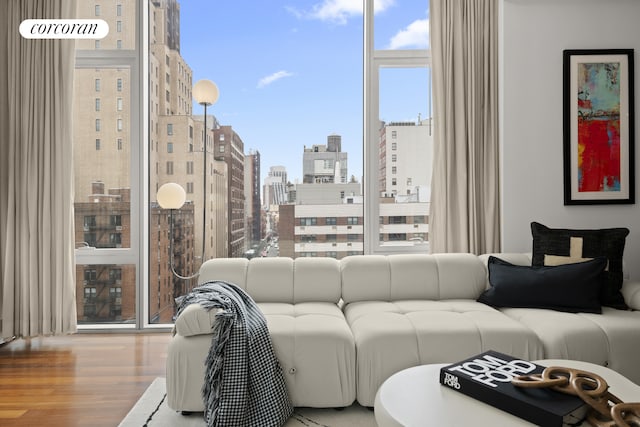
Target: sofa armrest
{"type": "Point", "coordinates": [631, 292]}
{"type": "Point", "coordinates": [195, 320]}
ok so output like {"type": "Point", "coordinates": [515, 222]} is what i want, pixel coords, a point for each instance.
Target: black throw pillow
{"type": "Point", "coordinates": [606, 242]}
{"type": "Point", "coordinates": [571, 287]}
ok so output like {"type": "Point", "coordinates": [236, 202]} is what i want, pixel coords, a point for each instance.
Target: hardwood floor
{"type": "Point", "coordinates": [77, 380]}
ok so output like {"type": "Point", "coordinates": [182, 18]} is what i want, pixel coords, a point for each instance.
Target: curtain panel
{"type": "Point", "coordinates": [465, 213]}
{"type": "Point", "coordinates": [37, 288]}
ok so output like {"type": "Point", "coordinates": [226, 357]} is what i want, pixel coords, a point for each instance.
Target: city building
{"type": "Point", "coordinates": [253, 206]}
{"type": "Point", "coordinates": [406, 153]}
{"type": "Point", "coordinates": [229, 148]}
{"type": "Point", "coordinates": [325, 163]}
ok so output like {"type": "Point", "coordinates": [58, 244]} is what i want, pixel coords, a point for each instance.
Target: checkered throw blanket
{"type": "Point", "coordinates": [244, 384]}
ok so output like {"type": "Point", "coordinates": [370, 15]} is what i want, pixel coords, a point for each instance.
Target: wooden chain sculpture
{"type": "Point", "coordinates": [607, 410]}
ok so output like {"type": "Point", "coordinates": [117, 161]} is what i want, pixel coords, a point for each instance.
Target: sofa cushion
{"type": "Point", "coordinates": [394, 335]}
{"type": "Point", "coordinates": [411, 276]}
{"type": "Point", "coordinates": [609, 339]}
{"type": "Point", "coordinates": [195, 320]}
{"type": "Point", "coordinates": [279, 279]}
{"type": "Point", "coordinates": [571, 287]}
{"type": "Point", "coordinates": [577, 244]}
{"type": "Point", "coordinates": [316, 350]}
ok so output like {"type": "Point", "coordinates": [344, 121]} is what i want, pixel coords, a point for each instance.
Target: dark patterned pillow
{"type": "Point", "coordinates": [573, 288]}
{"type": "Point", "coordinates": [580, 244]}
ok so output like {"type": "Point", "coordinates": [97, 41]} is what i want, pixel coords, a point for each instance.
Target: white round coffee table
{"type": "Point", "coordinates": [414, 397]}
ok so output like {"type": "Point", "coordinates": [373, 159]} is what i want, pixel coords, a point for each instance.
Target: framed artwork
{"type": "Point", "coordinates": [598, 127]}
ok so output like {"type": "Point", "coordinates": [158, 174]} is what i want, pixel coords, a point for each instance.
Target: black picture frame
{"type": "Point", "coordinates": [598, 126]}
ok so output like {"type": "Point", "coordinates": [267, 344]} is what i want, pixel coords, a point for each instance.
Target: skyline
{"type": "Point", "coordinates": [289, 76]}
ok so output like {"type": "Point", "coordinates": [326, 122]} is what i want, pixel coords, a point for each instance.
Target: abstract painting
{"type": "Point", "coordinates": [598, 127]}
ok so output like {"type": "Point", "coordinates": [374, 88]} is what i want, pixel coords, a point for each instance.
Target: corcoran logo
{"type": "Point", "coordinates": [64, 28]}
{"type": "Point", "coordinates": [491, 370]}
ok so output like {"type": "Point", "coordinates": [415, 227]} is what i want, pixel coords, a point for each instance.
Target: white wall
{"type": "Point", "coordinates": [535, 32]}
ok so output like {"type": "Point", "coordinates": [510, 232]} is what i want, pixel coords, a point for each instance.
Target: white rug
{"type": "Point", "coordinates": [152, 411]}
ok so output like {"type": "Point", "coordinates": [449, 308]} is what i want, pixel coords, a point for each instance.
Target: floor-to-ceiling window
{"type": "Point", "coordinates": [288, 162]}
{"type": "Point", "coordinates": [398, 136]}
{"type": "Point", "coordinates": [107, 137]}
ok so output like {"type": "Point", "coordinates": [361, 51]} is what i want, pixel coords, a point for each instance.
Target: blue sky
{"type": "Point", "coordinates": [290, 71]}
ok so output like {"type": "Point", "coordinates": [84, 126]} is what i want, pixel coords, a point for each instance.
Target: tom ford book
{"type": "Point", "coordinates": [487, 377]}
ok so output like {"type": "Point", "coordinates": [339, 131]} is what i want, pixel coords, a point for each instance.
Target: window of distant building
{"type": "Point", "coordinates": [119, 85]}
{"type": "Point", "coordinates": [89, 221]}
{"type": "Point", "coordinates": [96, 44]}
{"type": "Point", "coordinates": [115, 274]}
{"type": "Point", "coordinates": [115, 239]}
{"type": "Point", "coordinates": [90, 274]}
{"type": "Point", "coordinates": [97, 104]}
{"type": "Point", "coordinates": [331, 220]}
{"type": "Point", "coordinates": [119, 26]}
{"type": "Point", "coordinates": [97, 10]}
{"type": "Point", "coordinates": [397, 220]}
{"type": "Point", "coordinates": [169, 147]}
{"type": "Point", "coordinates": [308, 221]}
{"type": "Point", "coordinates": [98, 125]}
{"type": "Point", "coordinates": [352, 220]}
{"type": "Point", "coordinates": [119, 104]}
{"type": "Point", "coordinates": [115, 220]}
{"type": "Point", "coordinates": [169, 128]}
{"type": "Point", "coordinates": [394, 237]}
{"type": "Point", "coordinates": [119, 124]}
{"type": "Point", "coordinates": [90, 294]}
{"type": "Point", "coordinates": [119, 10]}
{"type": "Point", "coordinates": [97, 85]}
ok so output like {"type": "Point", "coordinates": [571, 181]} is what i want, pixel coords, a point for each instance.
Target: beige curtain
{"type": "Point", "coordinates": [465, 214]}
{"type": "Point", "coordinates": [37, 288]}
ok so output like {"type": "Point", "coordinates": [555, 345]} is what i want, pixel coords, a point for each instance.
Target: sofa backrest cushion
{"type": "Point", "coordinates": [412, 276]}
{"type": "Point", "coordinates": [279, 279]}
{"type": "Point", "coordinates": [233, 270]}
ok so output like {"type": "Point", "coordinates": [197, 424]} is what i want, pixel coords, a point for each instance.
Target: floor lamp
{"type": "Point", "coordinates": [171, 195]}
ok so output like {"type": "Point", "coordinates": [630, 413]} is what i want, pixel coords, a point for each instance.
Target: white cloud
{"type": "Point", "coordinates": [265, 81]}
{"type": "Point", "coordinates": [339, 11]}
{"type": "Point", "coordinates": [416, 35]}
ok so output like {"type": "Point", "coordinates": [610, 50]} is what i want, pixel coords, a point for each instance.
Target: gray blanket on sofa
{"type": "Point", "coordinates": [244, 384]}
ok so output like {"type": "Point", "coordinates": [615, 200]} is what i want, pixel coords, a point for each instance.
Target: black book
{"type": "Point", "coordinates": [487, 378]}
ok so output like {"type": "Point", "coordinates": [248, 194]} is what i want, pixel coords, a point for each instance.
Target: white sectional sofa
{"type": "Point", "coordinates": [342, 327]}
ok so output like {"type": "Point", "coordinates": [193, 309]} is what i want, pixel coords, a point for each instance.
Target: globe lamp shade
{"type": "Point", "coordinates": [205, 92]}
{"type": "Point", "coordinates": [171, 196]}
